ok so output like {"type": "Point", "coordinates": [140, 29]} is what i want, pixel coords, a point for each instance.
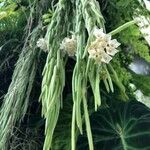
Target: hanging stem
{"type": "Point", "coordinates": [123, 27]}
{"type": "Point", "coordinates": [73, 143]}
{"type": "Point", "coordinates": [87, 122]}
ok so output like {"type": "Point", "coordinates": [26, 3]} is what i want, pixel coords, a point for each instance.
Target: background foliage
{"type": "Point", "coordinates": [123, 125]}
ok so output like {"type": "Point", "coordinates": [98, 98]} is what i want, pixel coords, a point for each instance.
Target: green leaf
{"type": "Point", "coordinates": [123, 126]}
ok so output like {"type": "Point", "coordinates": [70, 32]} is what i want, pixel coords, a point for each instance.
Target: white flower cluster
{"type": "Point", "coordinates": [41, 43]}
{"type": "Point", "coordinates": [102, 48]}
{"type": "Point", "coordinates": [144, 26]}
{"type": "Point", "coordinates": [69, 45]}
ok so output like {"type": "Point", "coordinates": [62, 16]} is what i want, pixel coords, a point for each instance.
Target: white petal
{"type": "Point", "coordinates": [106, 58]}
{"type": "Point", "coordinates": [114, 43]}
{"type": "Point", "coordinates": [111, 52]}
{"type": "Point", "coordinates": [69, 45]}
{"type": "Point", "coordinates": [107, 37]}
{"type": "Point", "coordinates": [137, 19]}
{"type": "Point", "coordinates": [66, 40]}
{"type": "Point", "coordinates": [41, 43]}
{"type": "Point", "coordinates": [92, 53]}
{"type": "Point", "coordinates": [98, 32]}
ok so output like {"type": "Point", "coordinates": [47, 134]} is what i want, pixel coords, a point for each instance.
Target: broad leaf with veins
{"type": "Point", "coordinates": [124, 126]}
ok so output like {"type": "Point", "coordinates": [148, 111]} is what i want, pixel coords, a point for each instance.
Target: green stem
{"type": "Point", "coordinates": [87, 123]}
{"type": "Point", "coordinates": [73, 143]}
{"type": "Point", "coordinates": [123, 142]}
{"type": "Point", "coordinates": [124, 26]}
{"type": "Point", "coordinates": [122, 138]}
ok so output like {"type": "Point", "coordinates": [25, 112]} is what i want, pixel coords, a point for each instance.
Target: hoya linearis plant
{"type": "Point", "coordinates": [71, 31]}
{"type": "Point", "coordinates": [86, 69]}
{"type": "Point", "coordinates": [53, 74]}
{"type": "Point", "coordinates": [16, 100]}
{"type": "Point", "coordinates": [54, 70]}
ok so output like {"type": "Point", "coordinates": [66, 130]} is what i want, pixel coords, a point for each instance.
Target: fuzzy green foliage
{"type": "Point", "coordinates": [123, 74]}
{"type": "Point", "coordinates": [15, 102]}
{"type": "Point", "coordinates": [142, 83]}
{"type": "Point", "coordinates": [12, 19]}
{"type": "Point", "coordinates": [134, 40]}
{"type": "Point", "coordinates": [124, 77]}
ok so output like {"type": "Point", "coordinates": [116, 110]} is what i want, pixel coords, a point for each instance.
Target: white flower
{"type": "Point", "coordinates": [41, 43]}
{"type": "Point", "coordinates": [98, 33]}
{"type": "Point", "coordinates": [144, 26]}
{"type": "Point", "coordinates": [102, 48]}
{"type": "Point", "coordinates": [114, 43]}
{"type": "Point", "coordinates": [106, 58]}
{"type": "Point", "coordinates": [111, 47]}
{"type": "Point", "coordinates": [99, 55]}
{"type": "Point", "coordinates": [69, 45]}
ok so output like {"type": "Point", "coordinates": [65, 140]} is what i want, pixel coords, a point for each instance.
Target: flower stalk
{"type": "Point", "coordinates": [122, 27]}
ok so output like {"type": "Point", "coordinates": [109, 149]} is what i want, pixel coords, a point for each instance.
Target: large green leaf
{"type": "Point", "coordinates": [123, 126]}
